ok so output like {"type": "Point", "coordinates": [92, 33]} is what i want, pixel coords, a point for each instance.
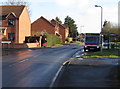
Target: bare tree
{"type": "Point", "coordinates": [19, 2]}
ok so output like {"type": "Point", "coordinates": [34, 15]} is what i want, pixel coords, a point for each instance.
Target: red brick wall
{"type": "Point", "coordinates": [41, 25]}
{"type": "Point", "coordinates": [64, 32]}
{"type": "Point", "coordinates": [4, 22]}
{"type": "Point", "coordinates": [21, 45]}
{"type": "Point", "coordinates": [10, 29]}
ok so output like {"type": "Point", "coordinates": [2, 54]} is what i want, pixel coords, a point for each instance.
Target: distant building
{"type": "Point", "coordinates": [15, 24]}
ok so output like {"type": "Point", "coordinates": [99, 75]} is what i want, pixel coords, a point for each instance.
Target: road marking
{"type": "Point", "coordinates": [18, 62]}
{"type": "Point", "coordinates": [54, 79]}
{"type": "Point", "coordinates": [58, 72]}
{"type": "Point", "coordinates": [66, 62]}
{"type": "Point", "coordinates": [23, 60]}
{"type": "Point", "coordinates": [12, 65]}
{"type": "Point", "coordinates": [35, 56]}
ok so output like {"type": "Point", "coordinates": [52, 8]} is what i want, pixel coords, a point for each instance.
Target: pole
{"type": "Point", "coordinates": [101, 27]}
{"type": "Point", "coordinates": [101, 24]}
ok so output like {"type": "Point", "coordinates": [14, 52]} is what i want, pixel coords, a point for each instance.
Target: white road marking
{"type": "Point", "coordinates": [58, 72]}
{"type": "Point", "coordinates": [18, 62]}
{"type": "Point", "coordinates": [56, 75]}
{"type": "Point", "coordinates": [35, 56]}
{"type": "Point", "coordinates": [23, 60]}
{"type": "Point", "coordinates": [11, 65]}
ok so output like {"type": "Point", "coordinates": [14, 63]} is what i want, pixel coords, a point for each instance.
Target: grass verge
{"type": "Point", "coordinates": [74, 42]}
{"type": "Point", "coordinates": [111, 53]}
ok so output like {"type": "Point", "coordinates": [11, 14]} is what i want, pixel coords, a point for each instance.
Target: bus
{"type": "Point", "coordinates": [93, 41]}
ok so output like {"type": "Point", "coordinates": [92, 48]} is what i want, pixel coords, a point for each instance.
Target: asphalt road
{"type": "Point", "coordinates": [34, 67]}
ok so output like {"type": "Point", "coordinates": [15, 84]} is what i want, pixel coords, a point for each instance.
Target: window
{"type": "Point", "coordinates": [11, 36]}
{"type": "Point", "coordinates": [11, 22]}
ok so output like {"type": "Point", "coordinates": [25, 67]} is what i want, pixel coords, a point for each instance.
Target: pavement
{"type": "Point", "coordinates": [94, 72]}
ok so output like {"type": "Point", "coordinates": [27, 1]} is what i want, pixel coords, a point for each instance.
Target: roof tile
{"type": "Point", "coordinates": [16, 9]}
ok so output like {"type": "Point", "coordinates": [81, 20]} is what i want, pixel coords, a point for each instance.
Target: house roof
{"type": "Point", "coordinates": [44, 20]}
{"type": "Point", "coordinates": [17, 10]}
{"type": "Point", "coordinates": [10, 14]}
{"type": "Point", "coordinates": [47, 20]}
{"type": "Point", "coordinates": [61, 25]}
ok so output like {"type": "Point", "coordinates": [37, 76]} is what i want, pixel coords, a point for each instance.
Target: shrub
{"type": "Point", "coordinates": [52, 39]}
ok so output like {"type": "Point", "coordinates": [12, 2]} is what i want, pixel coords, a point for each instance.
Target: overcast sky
{"type": "Point", "coordinates": [84, 12]}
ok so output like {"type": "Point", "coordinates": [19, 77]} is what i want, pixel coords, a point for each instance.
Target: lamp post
{"type": "Point", "coordinates": [101, 20]}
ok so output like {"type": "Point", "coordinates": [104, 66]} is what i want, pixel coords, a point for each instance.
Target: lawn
{"type": "Point", "coordinates": [79, 42]}
{"type": "Point", "coordinates": [111, 53]}
{"type": "Point", "coordinates": [75, 42]}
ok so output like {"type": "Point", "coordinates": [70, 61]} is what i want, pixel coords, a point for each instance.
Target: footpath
{"type": "Point", "coordinates": [90, 72]}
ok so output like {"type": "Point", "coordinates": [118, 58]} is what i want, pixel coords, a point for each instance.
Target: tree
{"type": "Point", "coordinates": [58, 20]}
{"type": "Point", "coordinates": [109, 28]}
{"type": "Point", "coordinates": [72, 27]}
{"type": "Point", "coordinates": [19, 2]}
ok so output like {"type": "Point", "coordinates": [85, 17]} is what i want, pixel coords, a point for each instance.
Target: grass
{"type": "Point", "coordinates": [79, 42]}
{"type": "Point", "coordinates": [58, 44]}
{"type": "Point", "coordinates": [118, 42]}
{"type": "Point", "coordinates": [111, 53]}
{"type": "Point", "coordinates": [75, 42]}
{"type": "Point", "coordinates": [68, 43]}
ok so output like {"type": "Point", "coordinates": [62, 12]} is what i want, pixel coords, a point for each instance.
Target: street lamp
{"type": "Point", "coordinates": [101, 19]}
{"type": "Point", "coordinates": [101, 15]}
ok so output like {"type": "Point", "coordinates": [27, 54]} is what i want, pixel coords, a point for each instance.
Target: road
{"type": "Point", "coordinates": [34, 67]}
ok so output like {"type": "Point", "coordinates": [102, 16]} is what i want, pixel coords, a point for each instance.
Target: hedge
{"type": "Point", "coordinates": [52, 39]}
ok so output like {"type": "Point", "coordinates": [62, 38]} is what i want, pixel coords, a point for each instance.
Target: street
{"type": "Point", "coordinates": [34, 67]}
{"type": "Point", "coordinates": [49, 44]}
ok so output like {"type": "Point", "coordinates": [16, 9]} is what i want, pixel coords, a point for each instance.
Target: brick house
{"type": "Point", "coordinates": [42, 25]}
{"type": "Point", "coordinates": [63, 29]}
{"type": "Point", "coordinates": [52, 27]}
{"type": "Point", "coordinates": [15, 24]}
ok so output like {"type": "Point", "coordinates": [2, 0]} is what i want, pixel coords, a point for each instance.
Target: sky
{"type": "Point", "coordinates": [84, 12]}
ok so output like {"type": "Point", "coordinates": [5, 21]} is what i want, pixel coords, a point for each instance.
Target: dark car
{"type": "Point", "coordinates": [105, 43]}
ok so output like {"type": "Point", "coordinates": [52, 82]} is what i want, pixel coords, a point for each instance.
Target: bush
{"type": "Point", "coordinates": [52, 39]}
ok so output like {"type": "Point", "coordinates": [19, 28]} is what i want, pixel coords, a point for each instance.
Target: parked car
{"type": "Point", "coordinates": [105, 43]}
